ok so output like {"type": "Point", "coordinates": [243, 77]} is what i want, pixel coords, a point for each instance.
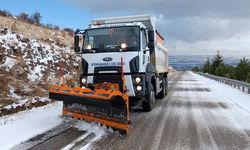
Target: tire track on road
{"type": "Point", "coordinates": [143, 128]}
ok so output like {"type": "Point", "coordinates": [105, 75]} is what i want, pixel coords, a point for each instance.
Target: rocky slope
{"type": "Point", "coordinates": [30, 61]}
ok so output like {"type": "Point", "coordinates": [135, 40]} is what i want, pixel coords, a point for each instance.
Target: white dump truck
{"type": "Point", "coordinates": [145, 59]}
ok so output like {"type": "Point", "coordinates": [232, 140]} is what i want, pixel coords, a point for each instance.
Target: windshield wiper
{"type": "Point", "coordinates": [132, 48]}
{"type": "Point", "coordinates": [99, 50]}
{"type": "Point", "coordinates": [92, 50]}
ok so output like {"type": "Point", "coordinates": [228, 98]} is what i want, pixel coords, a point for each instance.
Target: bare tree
{"type": "Point", "coordinates": [36, 18]}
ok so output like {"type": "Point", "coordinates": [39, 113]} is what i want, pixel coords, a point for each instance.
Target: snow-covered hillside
{"type": "Point", "coordinates": [28, 67]}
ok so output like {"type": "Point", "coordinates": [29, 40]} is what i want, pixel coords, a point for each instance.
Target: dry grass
{"type": "Point", "coordinates": [4, 80]}
{"type": "Point", "coordinates": [36, 32]}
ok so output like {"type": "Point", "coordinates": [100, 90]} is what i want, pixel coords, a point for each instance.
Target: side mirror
{"type": "Point", "coordinates": [151, 44]}
{"type": "Point", "coordinates": [76, 44]}
{"type": "Point", "coordinates": [144, 51]}
{"type": "Point", "coordinates": [151, 41]}
{"type": "Point", "coordinates": [151, 36]}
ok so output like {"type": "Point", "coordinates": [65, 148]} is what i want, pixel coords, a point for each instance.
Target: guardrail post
{"type": "Point", "coordinates": [243, 89]}
{"type": "Point", "coordinates": [248, 90]}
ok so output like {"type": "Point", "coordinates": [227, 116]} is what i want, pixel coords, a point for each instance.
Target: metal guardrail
{"type": "Point", "coordinates": [245, 87]}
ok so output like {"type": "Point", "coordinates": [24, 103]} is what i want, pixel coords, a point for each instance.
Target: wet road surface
{"type": "Point", "coordinates": [192, 116]}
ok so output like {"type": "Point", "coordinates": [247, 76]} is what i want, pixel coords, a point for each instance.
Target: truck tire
{"type": "Point", "coordinates": [162, 93]}
{"type": "Point", "coordinates": [149, 102]}
{"type": "Point", "coordinates": [166, 84]}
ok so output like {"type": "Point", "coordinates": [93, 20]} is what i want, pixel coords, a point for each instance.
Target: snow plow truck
{"type": "Point", "coordinates": [123, 61]}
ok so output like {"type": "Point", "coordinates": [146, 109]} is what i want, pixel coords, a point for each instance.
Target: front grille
{"type": "Point", "coordinates": [114, 77]}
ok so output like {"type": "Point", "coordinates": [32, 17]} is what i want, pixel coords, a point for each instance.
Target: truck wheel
{"type": "Point", "coordinates": [166, 84]}
{"type": "Point", "coordinates": [162, 93]}
{"type": "Point", "coordinates": [149, 102]}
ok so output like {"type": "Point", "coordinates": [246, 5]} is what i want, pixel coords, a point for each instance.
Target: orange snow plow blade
{"type": "Point", "coordinates": [105, 104]}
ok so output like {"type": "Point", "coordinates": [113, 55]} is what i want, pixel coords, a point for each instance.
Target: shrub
{"type": "Point", "coordinates": [217, 61]}
{"type": "Point", "coordinates": [196, 69]}
{"type": "Point", "coordinates": [220, 70]}
{"type": "Point", "coordinates": [68, 30]}
{"type": "Point", "coordinates": [56, 27]}
{"type": "Point", "coordinates": [5, 13]}
{"type": "Point", "coordinates": [248, 77]}
{"type": "Point", "coordinates": [217, 67]}
{"type": "Point", "coordinates": [23, 16]}
{"type": "Point", "coordinates": [242, 69]}
{"type": "Point", "coordinates": [50, 26]}
{"type": "Point", "coordinates": [207, 66]}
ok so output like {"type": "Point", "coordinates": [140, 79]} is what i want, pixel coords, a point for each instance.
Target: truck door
{"type": "Point", "coordinates": [144, 51]}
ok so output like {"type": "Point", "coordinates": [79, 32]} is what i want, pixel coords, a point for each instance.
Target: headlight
{"type": "Point", "coordinates": [84, 80]}
{"type": "Point", "coordinates": [88, 47]}
{"type": "Point", "coordinates": [124, 45]}
{"type": "Point", "coordinates": [137, 79]}
{"type": "Point", "coordinates": [139, 88]}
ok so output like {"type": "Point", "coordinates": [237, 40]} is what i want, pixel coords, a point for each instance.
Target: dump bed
{"type": "Point", "coordinates": [145, 19]}
{"type": "Point", "coordinates": [161, 54]}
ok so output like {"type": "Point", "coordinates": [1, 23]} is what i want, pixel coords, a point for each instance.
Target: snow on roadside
{"type": "Point", "coordinates": [23, 125]}
{"type": "Point", "coordinates": [237, 103]}
{"type": "Point", "coordinates": [235, 95]}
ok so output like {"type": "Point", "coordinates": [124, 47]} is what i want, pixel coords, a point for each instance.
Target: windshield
{"type": "Point", "coordinates": [112, 39]}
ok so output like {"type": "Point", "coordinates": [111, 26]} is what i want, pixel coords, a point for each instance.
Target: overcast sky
{"type": "Point", "coordinates": [189, 26]}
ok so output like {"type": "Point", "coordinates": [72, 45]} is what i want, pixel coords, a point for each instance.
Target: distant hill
{"type": "Point", "coordinates": [187, 62]}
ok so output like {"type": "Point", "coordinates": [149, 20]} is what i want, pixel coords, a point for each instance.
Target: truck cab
{"type": "Point", "coordinates": [133, 38]}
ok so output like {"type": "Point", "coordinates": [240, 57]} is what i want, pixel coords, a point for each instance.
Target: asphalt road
{"type": "Point", "coordinates": [192, 116]}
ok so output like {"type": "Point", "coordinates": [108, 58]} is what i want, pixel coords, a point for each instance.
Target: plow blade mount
{"type": "Point", "coordinates": [105, 104]}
